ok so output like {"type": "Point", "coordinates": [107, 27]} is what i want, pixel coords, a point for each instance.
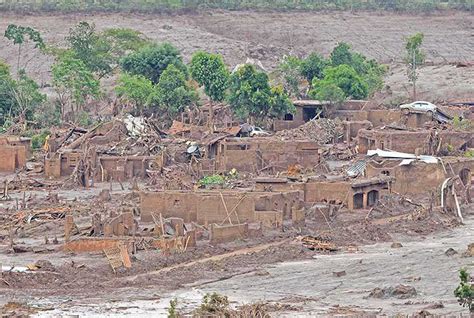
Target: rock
{"type": "Point", "coordinates": [396, 245]}
{"type": "Point", "coordinates": [450, 252]}
{"type": "Point", "coordinates": [399, 291]}
{"type": "Point", "coordinates": [436, 305]}
{"type": "Point", "coordinates": [339, 274]}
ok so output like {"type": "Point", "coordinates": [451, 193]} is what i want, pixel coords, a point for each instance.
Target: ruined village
{"type": "Point", "coordinates": [213, 163]}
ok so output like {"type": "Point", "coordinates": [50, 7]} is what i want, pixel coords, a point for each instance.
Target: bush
{"type": "Point", "coordinates": [465, 291]}
{"type": "Point", "coordinates": [38, 140]}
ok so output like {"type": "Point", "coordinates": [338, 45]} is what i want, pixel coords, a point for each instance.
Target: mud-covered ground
{"type": "Point", "coordinates": [268, 36]}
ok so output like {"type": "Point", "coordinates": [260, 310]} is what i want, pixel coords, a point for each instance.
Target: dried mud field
{"type": "Point", "coordinates": [268, 36]}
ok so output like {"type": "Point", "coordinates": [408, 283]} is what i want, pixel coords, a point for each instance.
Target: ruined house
{"type": "Point", "coordinates": [14, 152]}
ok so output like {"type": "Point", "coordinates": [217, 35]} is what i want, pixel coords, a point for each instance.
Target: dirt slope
{"type": "Point", "coordinates": [449, 37]}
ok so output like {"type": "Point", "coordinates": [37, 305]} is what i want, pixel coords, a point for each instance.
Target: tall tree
{"type": "Point", "coordinates": [134, 89]}
{"type": "Point", "coordinates": [414, 58]}
{"type": "Point", "coordinates": [19, 35]}
{"type": "Point", "coordinates": [210, 72]}
{"type": "Point", "coordinates": [74, 83]}
{"type": "Point", "coordinates": [344, 77]}
{"type": "Point", "coordinates": [290, 70]}
{"type": "Point", "coordinates": [172, 93]}
{"type": "Point", "coordinates": [92, 49]}
{"type": "Point", "coordinates": [313, 66]}
{"type": "Point", "coordinates": [251, 96]}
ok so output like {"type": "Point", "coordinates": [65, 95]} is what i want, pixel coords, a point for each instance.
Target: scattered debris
{"type": "Point", "coordinates": [399, 291]}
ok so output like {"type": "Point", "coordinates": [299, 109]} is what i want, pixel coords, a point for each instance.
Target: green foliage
{"type": "Point", "coordinates": [414, 58]}
{"type": "Point", "coordinates": [93, 50]}
{"type": "Point", "coordinates": [84, 119]}
{"type": "Point", "coordinates": [313, 66]}
{"type": "Point", "coordinates": [327, 91]}
{"type": "Point", "coordinates": [251, 95]}
{"type": "Point", "coordinates": [210, 71]}
{"type": "Point", "coordinates": [46, 115]}
{"type": "Point", "coordinates": [134, 89]}
{"type": "Point", "coordinates": [38, 140]}
{"type": "Point", "coordinates": [214, 304]}
{"type": "Point", "coordinates": [341, 54]}
{"type": "Point", "coordinates": [345, 78]}
{"type": "Point", "coordinates": [19, 34]}
{"type": "Point", "coordinates": [465, 291]}
{"type": "Point", "coordinates": [215, 179]}
{"type": "Point", "coordinates": [279, 102]}
{"type": "Point", "coordinates": [151, 61]}
{"type": "Point", "coordinates": [147, 6]}
{"type": "Point", "coordinates": [469, 153]}
{"type": "Point", "coordinates": [290, 70]}
{"type": "Point", "coordinates": [74, 82]}
{"type": "Point", "coordinates": [172, 309]}
{"type": "Point", "coordinates": [18, 98]}
{"type": "Point", "coordinates": [124, 41]}
{"type": "Point", "coordinates": [370, 71]}
{"type": "Point", "coordinates": [463, 124]}
{"type": "Point", "coordinates": [172, 93]}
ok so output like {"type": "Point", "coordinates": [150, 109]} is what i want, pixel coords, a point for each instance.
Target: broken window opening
{"type": "Point", "coordinates": [288, 117]}
{"type": "Point", "coordinates": [372, 198]}
{"type": "Point", "coordinates": [358, 201]}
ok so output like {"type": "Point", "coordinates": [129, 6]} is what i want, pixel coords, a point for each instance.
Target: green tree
{"type": "Point", "coordinates": [341, 54]}
{"type": "Point", "coordinates": [74, 83]}
{"type": "Point", "coordinates": [251, 96]}
{"type": "Point", "coordinates": [290, 70]}
{"type": "Point", "coordinates": [93, 50]}
{"type": "Point", "coordinates": [465, 291]}
{"type": "Point", "coordinates": [172, 93]}
{"type": "Point", "coordinates": [344, 77]}
{"type": "Point", "coordinates": [19, 99]}
{"type": "Point", "coordinates": [124, 41]}
{"type": "Point", "coordinates": [152, 60]}
{"type": "Point", "coordinates": [313, 66]}
{"type": "Point", "coordinates": [280, 103]}
{"type": "Point", "coordinates": [210, 72]}
{"type": "Point", "coordinates": [414, 58]}
{"type": "Point", "coordinates": [134, 89]}
{"type": "Point", "coordinates": [327, 91]}
{"type": "Point", "coordinates": [19, 34]}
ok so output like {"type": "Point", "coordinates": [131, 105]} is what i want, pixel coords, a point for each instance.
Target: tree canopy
{"type": "Point", "coordinates": [152, 60]}
{"type": "Point", "coordinates": [313, 66]}
{"type": "Point", "coordinates": [251, 95]}
{"type": "Point", "coordinates": [172, 93]}
{"type": "Point", "coordinates": [210, 71]}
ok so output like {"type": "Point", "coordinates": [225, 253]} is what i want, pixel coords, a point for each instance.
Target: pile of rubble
{"type": "Point", "coordinates": [321, 130]}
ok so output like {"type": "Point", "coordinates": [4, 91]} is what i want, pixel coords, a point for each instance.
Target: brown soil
{"type": "Point", "coordinates": [269, 36]}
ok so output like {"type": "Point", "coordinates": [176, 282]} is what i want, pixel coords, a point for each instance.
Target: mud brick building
{"type": "Point", "coordinates": [417, 141]}
{"type": "Point", "coordinates": [259, 154]}
{"type": "Point", "coordinates": [14, 152]}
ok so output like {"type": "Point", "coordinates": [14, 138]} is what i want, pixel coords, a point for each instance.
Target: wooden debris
{"type": "Point", "coordinates": [314, 243]}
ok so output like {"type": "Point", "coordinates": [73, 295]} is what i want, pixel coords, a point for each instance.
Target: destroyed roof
{"type": "Point", "coordinates": [406, 158]}
{"type": "Point", "coordinates": [357, 183]}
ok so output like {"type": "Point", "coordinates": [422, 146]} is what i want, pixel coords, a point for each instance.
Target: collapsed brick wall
{"type": "Point", "coordinates": [12, 158]}
{"type": "Point", "coordinates": [228, 233]}
{"type": "Point", "coordinates": [254, 154]}
{"type": "Point", "coordinates": [206, 207]}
